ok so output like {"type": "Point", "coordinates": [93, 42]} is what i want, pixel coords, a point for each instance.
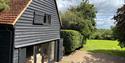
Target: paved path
{"type": "Point", "coordinates": [86, 57]}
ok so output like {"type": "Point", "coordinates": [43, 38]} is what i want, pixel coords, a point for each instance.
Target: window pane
{"type": "Point", "coordinates": [52, 50]}
{"type": "Point", "coordinates": [29, 54]}
{"type": "Point", "coordinates": [39, 55]}
{"type": "Point", "coordinates": [42, 53]}
{"type": "Point", "coordinates": [48, 19]}
{"type": "Point", "coordinates": [45, 52]}
{"type": "Point", "coordinates": [39, 18]}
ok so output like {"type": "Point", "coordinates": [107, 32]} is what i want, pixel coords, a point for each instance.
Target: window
{"type": "Point", "coordinates": [41, 53]}
{"type": "Point", "coordinates": [41, 18]}
{"type": "Point", "coordinates": [29, 54]}
{"type": "Point", "coordinates": [47, 19]}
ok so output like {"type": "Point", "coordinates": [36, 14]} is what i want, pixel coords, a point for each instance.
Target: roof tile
{"type": "Point", "coordinates": [9, 16]}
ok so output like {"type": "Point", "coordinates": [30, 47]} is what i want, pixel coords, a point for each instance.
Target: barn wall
{"type": "Point", "coordinates": [28, 34]}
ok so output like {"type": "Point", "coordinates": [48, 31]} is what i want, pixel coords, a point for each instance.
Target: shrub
{"type": "Point", "coordinates": [83, 40]}
{"type": "Point", "coordinates": [72, 40]}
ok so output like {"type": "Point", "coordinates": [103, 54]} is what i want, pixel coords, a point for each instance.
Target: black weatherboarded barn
{"type": "Point", "coordinates": [30, 32]}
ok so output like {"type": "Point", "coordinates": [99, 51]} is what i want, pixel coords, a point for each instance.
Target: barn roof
{"type": "Point", "coordinates": [17, 7]}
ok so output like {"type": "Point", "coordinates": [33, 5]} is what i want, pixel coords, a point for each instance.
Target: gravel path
{"type": "Point", "coordinates": [87, 57]}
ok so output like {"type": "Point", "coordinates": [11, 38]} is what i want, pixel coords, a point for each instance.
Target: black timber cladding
{"type": "Point", "coordinates": [28, 34]}
{"type": "Point", "coordinates": [6, 43]}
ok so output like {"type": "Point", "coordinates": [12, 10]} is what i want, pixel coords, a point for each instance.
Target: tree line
{"type": "Point", "coordinates": [103, 34]}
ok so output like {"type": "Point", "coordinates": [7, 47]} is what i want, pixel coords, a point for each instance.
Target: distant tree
{"type": "Point", "coordinates": [4, 5]}
{"type": "Point", "coordinates": [120, 25]}
{"type": "Point", "coordinates": [102, 34]}
{"type": "Point", "coordinates": [114, 32]}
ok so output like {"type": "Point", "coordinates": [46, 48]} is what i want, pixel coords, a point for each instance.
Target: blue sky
{"type": "Point", "coordinates": [106, 10]}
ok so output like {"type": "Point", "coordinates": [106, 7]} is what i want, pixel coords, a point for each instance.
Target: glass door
{"type": "Point", "coordinates": [42, 53]}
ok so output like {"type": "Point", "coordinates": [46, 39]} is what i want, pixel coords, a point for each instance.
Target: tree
{"type": "Point", "coordinates": [120, 25]}
{"type": "Point", "coordinates": [80, 18]}
{"type": "Point", "coordinates": [4, 5]}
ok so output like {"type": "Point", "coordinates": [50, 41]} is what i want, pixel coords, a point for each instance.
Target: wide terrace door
{"type": "Point", "coordinates": [41, 53]}
{"type": "Point", "coordinates": [6, 47]}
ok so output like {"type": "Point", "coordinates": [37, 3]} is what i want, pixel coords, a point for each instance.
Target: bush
{"type": "Point", "coordinates": [72, 40]}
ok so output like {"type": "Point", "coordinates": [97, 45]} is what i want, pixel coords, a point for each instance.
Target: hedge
{"type": "Point", "coordinates": [72, 40]}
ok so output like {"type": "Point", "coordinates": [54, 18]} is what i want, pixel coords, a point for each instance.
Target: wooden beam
{"type": "Point", "coordinates": [35, 53]}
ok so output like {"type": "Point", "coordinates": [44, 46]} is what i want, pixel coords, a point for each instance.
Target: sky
{"type": "Point", "coordinates": [106, 9]}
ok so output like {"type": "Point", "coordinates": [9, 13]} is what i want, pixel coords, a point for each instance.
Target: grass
{"type": "Point", "coordinates": [104, 46]}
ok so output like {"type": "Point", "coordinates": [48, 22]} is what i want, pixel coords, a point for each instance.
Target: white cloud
{"type": "Point", "coordinates": [105, 23]}
{"type": "Point", "coordinates": [106, 10]}
{"type": "Point", "coordinates": [107, 7]}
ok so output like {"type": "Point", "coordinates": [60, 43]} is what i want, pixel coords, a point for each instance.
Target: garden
{"type": "Point", "coordinates": [83, 40]}
{"type": "Point", "coordinates": [97, 51]}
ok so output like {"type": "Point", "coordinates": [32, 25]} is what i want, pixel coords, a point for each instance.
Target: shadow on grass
{"type": "Point", "coordinates": [120, 53]}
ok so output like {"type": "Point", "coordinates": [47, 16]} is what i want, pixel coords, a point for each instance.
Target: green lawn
{"type": "Point", "coordinates": [104, 46]}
